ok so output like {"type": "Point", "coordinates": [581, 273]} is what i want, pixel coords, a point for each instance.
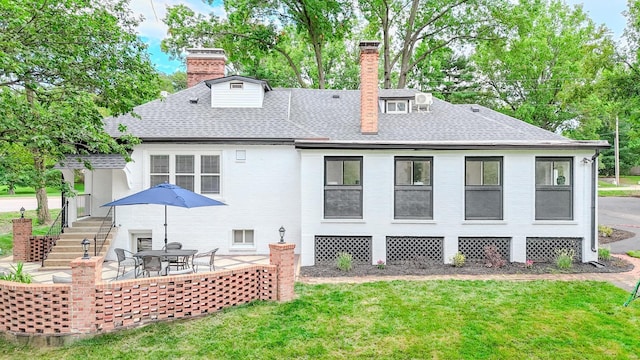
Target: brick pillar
{"type": "Point", "coordinates": [369, 87]}
{"type": "Point", "coordinates": [85, 274]}
{"type": "Point", "coordinates": [281, 255]}
{"type": "Point", "coordinates": [21, 235]}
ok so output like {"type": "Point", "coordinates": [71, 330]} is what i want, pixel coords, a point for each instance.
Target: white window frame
{"type": "Point", "coordinates": [243, 244]}
{"type": "Point", "coordinates": [197, 171]}
{"type": "Point", "coordinates": [396, 102]}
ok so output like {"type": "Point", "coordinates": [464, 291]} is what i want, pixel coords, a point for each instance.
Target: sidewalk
{"type": "Point", "coordinates": [28, 202]}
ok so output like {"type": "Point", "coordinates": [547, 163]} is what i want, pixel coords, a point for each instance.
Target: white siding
{"type": "Point", "coordinates": [448, 202]}
{"type": "Point", "coordinates": [261, 193]}
{"type": "Point", "coordinates": [250, 96]}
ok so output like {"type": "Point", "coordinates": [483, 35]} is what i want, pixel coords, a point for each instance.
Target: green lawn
{"type": "Point", "coordinates": [29, 191]}
{"type": "Point", "coordinates": [391, 320]}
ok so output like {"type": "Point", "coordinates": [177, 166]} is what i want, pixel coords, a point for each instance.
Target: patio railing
{"type": "Point", "coordinates": [57, 228]}
{"type": "Point", "coordinates": [105, 229]}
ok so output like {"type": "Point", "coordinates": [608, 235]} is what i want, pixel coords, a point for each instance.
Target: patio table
{"type": "Point", "coordinates": [169, 253]}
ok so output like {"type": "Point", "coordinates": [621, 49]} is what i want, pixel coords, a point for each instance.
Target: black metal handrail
{"type": "Point", "coordinates": [105, 229]}
{"type": "Point", "coordinates": [57, 228]}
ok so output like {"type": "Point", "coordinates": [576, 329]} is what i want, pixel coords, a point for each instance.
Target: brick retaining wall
{"type": "Point", "coordinates": [130, 303]}
{"type": "Point", "coordinates": [35, 308]}
{"type": "Point", "coordinates": [89, 306]}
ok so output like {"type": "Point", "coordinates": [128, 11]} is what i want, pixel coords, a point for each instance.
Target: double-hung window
{"type": "Point", "coordinates": [413, 191]}
{"type": "Point", "coordinates": [554, 190]}
{"type": "Point", "coordinates": [195, 172]}
{"type": "Point", "coordinates": [343, 188]}
{"type": "Point", "coordinates": [159, 169]}
{"type": "Point", "coordinates": [483, 188]}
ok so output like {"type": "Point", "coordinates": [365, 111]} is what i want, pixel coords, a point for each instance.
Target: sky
{"type": "Point", "coordinates": [152, 30]}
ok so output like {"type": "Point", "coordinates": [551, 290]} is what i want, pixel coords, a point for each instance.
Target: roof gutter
{"type": "Point", "coordinates": [594, 193]}
{"type": "Point", "coordinates": [565, 145]}
{"type": "Point", "coordinates": [195, 140]}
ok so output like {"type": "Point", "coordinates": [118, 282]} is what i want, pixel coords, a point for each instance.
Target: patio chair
{"type": "Point", "coordinates": [152, 263]}
{"type": "Point", "coordinates": [173, 246]}
{"type": "Point", "coordinates": [175, 261]}
{"type": "Point", "coordinates": [126, 258]}
{"type": "Point", "coordinates": [205, 259]}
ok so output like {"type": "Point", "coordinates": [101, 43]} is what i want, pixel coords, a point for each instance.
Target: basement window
{"type": "Point", "coordinates": [397, 106]}
{"type": "Point", "coordinates": [236, 86]}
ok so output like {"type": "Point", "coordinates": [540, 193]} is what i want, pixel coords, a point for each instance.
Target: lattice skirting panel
{"type": "Point", "coordinates": [544, 248]}
{"type": "Point", "coordinates": [328, 247]}
{"type": "Point", "coordinates": [473, 247]}
{"type": "Point", "coordinates": [401, 249]}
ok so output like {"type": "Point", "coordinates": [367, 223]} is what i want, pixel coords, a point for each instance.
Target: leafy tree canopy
{"type": "Point", "coordinates": [60, 62]}
{"type": "Point", "coordinates": [547, 58]}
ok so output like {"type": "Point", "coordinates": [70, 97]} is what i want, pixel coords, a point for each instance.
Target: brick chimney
{"type": "Point", "coordinates": [369, 87]}
{"type": "Point", "coordinates": [204, 64]}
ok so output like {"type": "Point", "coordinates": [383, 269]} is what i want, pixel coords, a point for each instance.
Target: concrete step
{"type": "Point", "coordinates": [81, 229]}
{"type": "Point", "coordinates": [95, 224]}
{"type": "Point", "coordinates": [69, 247]}
{"type": "Point", "coordinates": [77, 247]}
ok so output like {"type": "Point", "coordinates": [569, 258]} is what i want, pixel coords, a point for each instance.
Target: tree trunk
{"type": "Point", "coordinates": [11, 190]}
{"type": "Point", "coordinates": [386, 46]}
{"type": "Point", "coordinates": [44, 216]}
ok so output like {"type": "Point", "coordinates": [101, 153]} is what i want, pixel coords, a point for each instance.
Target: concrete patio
{"type": "Point", "coordinates": [110, 268]}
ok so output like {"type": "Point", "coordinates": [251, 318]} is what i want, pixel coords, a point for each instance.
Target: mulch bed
{"type": "Point", "coordinates": [473, 268]}
{"type": "Point", "coordinates": [617, 235]}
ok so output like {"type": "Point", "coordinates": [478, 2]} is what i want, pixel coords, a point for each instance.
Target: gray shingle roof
{"type": "Point", "coordinates": [97, 161]}
{"type": "Point", "coordinates": [327, 116]}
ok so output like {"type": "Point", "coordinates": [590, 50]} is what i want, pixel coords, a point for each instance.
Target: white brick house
{"type": "Point", "coordinates": [383, 174]}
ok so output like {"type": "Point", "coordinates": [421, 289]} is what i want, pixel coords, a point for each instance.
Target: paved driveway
{"type": "Point", "coordinates": [621, 213]}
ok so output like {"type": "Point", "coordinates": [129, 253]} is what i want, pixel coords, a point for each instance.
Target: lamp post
{"type": "Point", "coordinates": [281, 231]}
{"type": "Point", "coordinates": [22, 212]}
{"type": "Point", "coordinates": [85, 247]}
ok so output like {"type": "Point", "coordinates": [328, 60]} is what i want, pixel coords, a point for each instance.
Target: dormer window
{"type": "Point", "coordinates": [236, 85]}
{"type": "Point", "coordinates": [397, 106]}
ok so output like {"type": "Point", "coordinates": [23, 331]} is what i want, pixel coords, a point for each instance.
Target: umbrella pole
{"type": "Point", "coordinates": [165, 228]}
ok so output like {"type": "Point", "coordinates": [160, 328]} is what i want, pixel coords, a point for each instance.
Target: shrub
{"type": "Point", "coordinates": [634, 253]}
{"type": "Point", "coordinates": [493, 257]}
{"type": "Point", "coordinates": [345, 261]}
{"type": "Point", "coordinates": [528, 264]}
{"type": "Point", "coordinates": [604, 230]}
{"type": "Point", "coordinates": [458, 259]}
{"type": "Point", "coordinates": [564, 258]}
{"type": "Point", "coordinates": [604, 253]}
{"type": "Point", "coordinates": [17, 275]}
{"type": "Point", "coordinates": [380, 264]}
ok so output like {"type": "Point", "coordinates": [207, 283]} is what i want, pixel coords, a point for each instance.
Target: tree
{"type": "Point", "coordinates": [281, 34]}
{"type": "Point", "coordinates": [60, 62]}
{"type": "Point", "coordinates": [14, 167]}
{"type": "Point", "coordinates": [546, 61]}
{"type": "Point", "coordinates": [450, 76]}
{"type": "Point", "coordinates": [172, 83]}
{"type": "Point", "coordinates": [413, 30]}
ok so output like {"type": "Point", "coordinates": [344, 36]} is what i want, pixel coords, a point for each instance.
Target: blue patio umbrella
{"type": "Point", "coordinates": [167, 195]}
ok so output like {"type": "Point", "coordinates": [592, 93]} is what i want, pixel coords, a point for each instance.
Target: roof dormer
{"type": "Point", "coordinates": [237, 92]}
